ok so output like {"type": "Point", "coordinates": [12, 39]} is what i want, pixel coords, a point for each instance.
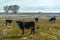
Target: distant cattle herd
{"type": "Point", "coordinates": [27, 25]}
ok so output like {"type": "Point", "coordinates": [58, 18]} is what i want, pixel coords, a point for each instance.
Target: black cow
{"type": "Point", "coordinates": [26, 25]}
{"type": "Point", "coordinates": [8, 22]}
{"type": "Point", "coordinates": [52, 19]}
{"type": "Point", "coordinates": [36, 19]}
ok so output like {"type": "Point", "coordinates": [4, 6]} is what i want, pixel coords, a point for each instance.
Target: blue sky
{"type": "Point", "coordinates": [33, 5]}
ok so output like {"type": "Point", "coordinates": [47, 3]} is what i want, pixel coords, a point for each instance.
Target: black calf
{"type": "Point", "coordinates": [36, 19]}
{"type": "Point", "coordinates": [52, 19]}
{"type": "Point", "coordinates": [8, 22]}
{"type": "Point", "coordinates": [26, 25]}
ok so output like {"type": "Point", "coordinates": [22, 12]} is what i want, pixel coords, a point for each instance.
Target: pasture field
{"type": "Point", "coordinates": [44, 30]}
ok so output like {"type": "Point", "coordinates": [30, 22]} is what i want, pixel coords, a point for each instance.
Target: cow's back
{"type": "Point", "coordinates": [8, 20]}
{"type": "Point", "coordinates": [29, 25]}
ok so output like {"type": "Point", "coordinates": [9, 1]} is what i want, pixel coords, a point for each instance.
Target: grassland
{"type": "Point", "coordinates": [43, 30]}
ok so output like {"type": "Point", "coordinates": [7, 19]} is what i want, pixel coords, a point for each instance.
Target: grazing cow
{"type": "Point", "coordinates": [52, 19]}
{"type": "Point", "coordinates": [36, 19]}
{"type": "Point", "coordinates": [8, 22]}
{"type": "Point", "coordinates": [26, 25]}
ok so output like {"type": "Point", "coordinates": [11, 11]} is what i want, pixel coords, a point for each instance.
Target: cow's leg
{"type": "Point", "coordinates": [6, 23]}
{"type": "Point", "coordinates": [32, 30]}
{"type": "Point", "coordinates": [22, 31]}
{"type": "Point", "coordinates": [9, 24]}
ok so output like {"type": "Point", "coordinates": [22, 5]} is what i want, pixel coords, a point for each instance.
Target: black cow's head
{"type": "Point", "coordinates": [19, 22]}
